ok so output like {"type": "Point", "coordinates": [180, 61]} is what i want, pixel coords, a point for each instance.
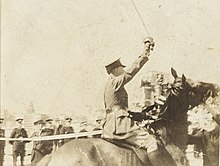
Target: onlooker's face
{"type": "Point", "coordinates": [49, 123]}
{"type": "Point", "coordinates": [68, 121]}
{"type": "Point", "coordinates": [20, 122]}
{"type": "Point", "coordinates": [83, 125]}
{"type": "Point", "coordinates": [58, 122]}
{"type": "Point", "coordinates": [35, 126]}
{"type": "Point", "coordinates": [98, 121]}
{"type": "Point", "coordinates": [40, 126]}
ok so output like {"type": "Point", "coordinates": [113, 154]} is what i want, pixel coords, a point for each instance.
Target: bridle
{"type": "Point", "coordinates": [174, 92]}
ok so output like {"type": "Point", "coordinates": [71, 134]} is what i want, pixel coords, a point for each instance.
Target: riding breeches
{"type": "Point", "coordinates": [143, 139]}
{"type": "Point", "coordinates": [140, 137]}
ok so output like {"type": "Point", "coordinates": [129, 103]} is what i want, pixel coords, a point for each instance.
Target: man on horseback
{"type": "Point", "coordinates": [119, 125]}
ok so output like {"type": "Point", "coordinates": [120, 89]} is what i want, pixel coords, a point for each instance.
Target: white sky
{"type": "Point", "coordinates": [53, 52]}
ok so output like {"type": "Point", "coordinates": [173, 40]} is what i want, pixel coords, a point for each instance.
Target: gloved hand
{"type": "Point", "coordinates": [148, 45]}
{"type": "Point", "coordinates": [139, 116]}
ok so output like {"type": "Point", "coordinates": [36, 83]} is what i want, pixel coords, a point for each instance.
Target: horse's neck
{"type": "Point", "coordinates": [175, 106]}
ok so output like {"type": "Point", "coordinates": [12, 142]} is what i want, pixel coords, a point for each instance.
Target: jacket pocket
{"type": "Point", "coordinates": [122, 122]}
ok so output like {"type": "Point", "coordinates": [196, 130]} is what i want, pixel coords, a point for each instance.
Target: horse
{"type": "Point", "coordinates": [96, 151]}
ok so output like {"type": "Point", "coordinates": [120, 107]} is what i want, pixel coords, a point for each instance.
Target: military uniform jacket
{"type": "Point", "coordinates": [2, 134]}
{"type": "Point", "coordinates": [18, 133]}
{"type": "Point", "coordinates": [35, 134]}
{"type": "Point", "coordinates": [81, 131]}
{"type": "Point", "coordinates": [66, 130]}
{"type": "Point", "coordinates": [2, 147]}
{"type": "Point", "coordinates": [98, 135]}
{"type": "Point", "coordinates": [58, 129]}
{"type": "Point", "coordinates": [45, 147]}
{"type": "Point", "coordinates": [118, 123]}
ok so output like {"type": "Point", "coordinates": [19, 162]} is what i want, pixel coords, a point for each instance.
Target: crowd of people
{"type": "Point", "coordinates": [47, 127]}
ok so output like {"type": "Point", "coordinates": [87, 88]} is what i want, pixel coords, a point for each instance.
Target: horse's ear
{"type": "Point", "coordinates": [174, 73]}
{"type": "Point", "coordinates": [183, 78]}
{"type": "Point", "coordinates": [208, 94]}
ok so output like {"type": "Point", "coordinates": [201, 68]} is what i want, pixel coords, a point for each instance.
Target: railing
{"type": "Point", "coordinates": [54, 137]}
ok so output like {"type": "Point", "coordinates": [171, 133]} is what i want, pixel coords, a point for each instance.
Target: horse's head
{"type": "Point", "coordinates": [197, 92]}
{"type": "Point", "coordinates": [177, 100]}
{"type": "Point", "coordinates": [179, 85]}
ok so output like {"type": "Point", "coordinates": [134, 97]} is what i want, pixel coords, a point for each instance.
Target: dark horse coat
{"type": "Point", "coordinates": [94, 152]}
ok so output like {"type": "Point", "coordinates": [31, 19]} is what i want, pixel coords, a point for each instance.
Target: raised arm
{"type": "Point", "coordinates": [136, 65]}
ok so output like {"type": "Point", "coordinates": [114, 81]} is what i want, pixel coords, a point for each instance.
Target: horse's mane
{"type": "Point", "coordinates": [202, 87]}
{"type": "Point", "coordinates": [200, 91]}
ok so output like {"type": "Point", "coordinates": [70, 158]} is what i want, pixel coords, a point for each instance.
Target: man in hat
{"type": "Point", "coordinates": [58, 127]}
{"type": "Point", "coordinates": [66, 129]}
{"type": "Point", "coordinates": [43, 148]}
{"type": "Point", "coordinates": [35, 155]}
{"type": "Point", "coordinates": [38, 124]}
{"type": "Point", "coordinates": [2, 142]}
{"type": "Point", "coordinates": [119, 125]}
{"type": "Point", "coordinates": [83, 126]}
{"type": "Point", "coordinates": [18, 146]}
{"type": "Point", "coordinates": [98, 127]}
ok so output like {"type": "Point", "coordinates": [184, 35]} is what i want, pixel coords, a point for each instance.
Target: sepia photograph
{"type": "Point", "coordinates": [109, 83]}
